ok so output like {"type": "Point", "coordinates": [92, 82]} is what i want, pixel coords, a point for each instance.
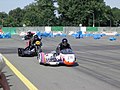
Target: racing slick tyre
{"type": "Point", "coordinates": [39, 57]}
{"type": "Point", "coordinates": [20, 52]}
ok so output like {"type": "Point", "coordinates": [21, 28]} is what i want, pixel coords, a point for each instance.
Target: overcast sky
{"type": "Point", "coordinates": [7, 5]}
{"type": "Point", "coordinates": [113, 3]}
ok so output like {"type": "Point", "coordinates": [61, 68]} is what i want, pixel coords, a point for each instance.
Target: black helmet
{"type": "Point", "coordinates": [64, 40]}
{"type": "Point", "coordinates": [29, 32]}
{"type": "Point", "coordinates": [36, 37]}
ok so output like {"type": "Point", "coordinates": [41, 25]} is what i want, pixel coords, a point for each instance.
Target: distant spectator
{"type": "Point", "coordinates": [63, 45]}
{"type": "Point", "coordinates": [1, 32]}
{"type": "Point", "coordinates": [3, 80]}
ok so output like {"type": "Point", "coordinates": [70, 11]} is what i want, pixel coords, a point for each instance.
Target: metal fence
{"type": "Point", "coordinates": [65, 30]}
{"type": "Point", "coordinates": [26, 29]}
{"type": "Point", "coordinates": [109, 29]}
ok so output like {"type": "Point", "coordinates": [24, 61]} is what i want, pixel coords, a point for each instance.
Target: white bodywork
{"type": "Point", "coordinates": [48, 59]}
{"type": "Point", "coordinates": [67, 57]}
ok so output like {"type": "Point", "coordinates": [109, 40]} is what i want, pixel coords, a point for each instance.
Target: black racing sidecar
{"type": "Point", "coordinates": [30, 50]}
{"type": "Point", "coordinates": [26, 52]}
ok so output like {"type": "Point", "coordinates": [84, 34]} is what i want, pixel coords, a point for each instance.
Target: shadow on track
{"type": "Point", "coordinates": [75, 65]}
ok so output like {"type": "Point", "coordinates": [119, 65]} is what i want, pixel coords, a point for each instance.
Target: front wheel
{"type": "Point", "coordinates": [38, 50]}
{"type": "Point", "coordinates": [20, 52]}
{"type": "Point", "coordinates": [39, 58]}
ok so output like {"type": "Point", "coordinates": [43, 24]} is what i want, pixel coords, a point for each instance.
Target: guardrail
{"type": "Point", "coordinates": [66, 30]}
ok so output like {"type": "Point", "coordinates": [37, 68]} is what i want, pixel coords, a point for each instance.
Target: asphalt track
{"type": "Point", "coordinates": [97, 67]}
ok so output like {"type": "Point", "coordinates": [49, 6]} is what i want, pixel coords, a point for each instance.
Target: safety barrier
{"type": "Point", "coordinates": [6, 35]}
{"type": "Point", "coordinates": [112, 38]}
{"type": "Point", "coordinates": [49, 34]}
{"type": "Point", "coordinates": [117, 34]}
{"type": "Point", "coordinates": [11, 30]}
{"type": "Point", "coordinates": [63, 31]}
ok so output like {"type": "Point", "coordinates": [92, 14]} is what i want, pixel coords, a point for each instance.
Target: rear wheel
{"type": "Point", "coordinates": [20, 52]}
{"type": "Point", "coordinates": [39, 58]}
{"type": "Point", "coordinates": [38, 50]}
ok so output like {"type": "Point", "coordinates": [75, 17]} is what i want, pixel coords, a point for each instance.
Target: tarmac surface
{"type": "Point", "coordinates": [97, 67]}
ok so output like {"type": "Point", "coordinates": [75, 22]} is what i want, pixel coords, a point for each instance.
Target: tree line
{"type": "Point", "coordinates": [69, 13]}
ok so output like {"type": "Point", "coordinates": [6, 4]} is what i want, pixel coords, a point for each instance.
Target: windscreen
{"type": "Point", "coordinates": [67, 51]}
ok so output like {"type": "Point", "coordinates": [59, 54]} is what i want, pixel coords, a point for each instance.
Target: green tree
{"type": "Point", "coordinates": [40, 13]}
{"type": "Point", "coordinates": [3, 17]}
{"type": "Point", "coordinates": [116, 14]}
{"type": "Point", "coordinates": [74, 12]}
{"type": "Point", "coordinates": [17, 15]}
{"type": "Point", "coordinates": [71, 13]}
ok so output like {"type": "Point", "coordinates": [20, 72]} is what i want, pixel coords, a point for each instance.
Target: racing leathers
{"type": "Point", "coordinates": [61, 46]}
{"type": "Point", "coordinates": [29, 35]}
{"type": "Point", "coordinates": [32, 42]}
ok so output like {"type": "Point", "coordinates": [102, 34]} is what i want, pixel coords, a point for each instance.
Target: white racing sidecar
{"type": "Point", "coordinates": [66, 57]}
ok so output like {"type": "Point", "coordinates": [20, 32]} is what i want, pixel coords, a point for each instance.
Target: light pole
{"type": "Point", "coordinates": [80, 25]}
{"type": "Point", "coordinates": [99, 22]}
{"type": "Point", "coordinates": [49, 22]}
{"type": "Point", "coordinates": [24, 27]}
{"type": "Point", "coordinates": [93, 17]}
{"type": "Point", "coordinates": [110, 22]}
